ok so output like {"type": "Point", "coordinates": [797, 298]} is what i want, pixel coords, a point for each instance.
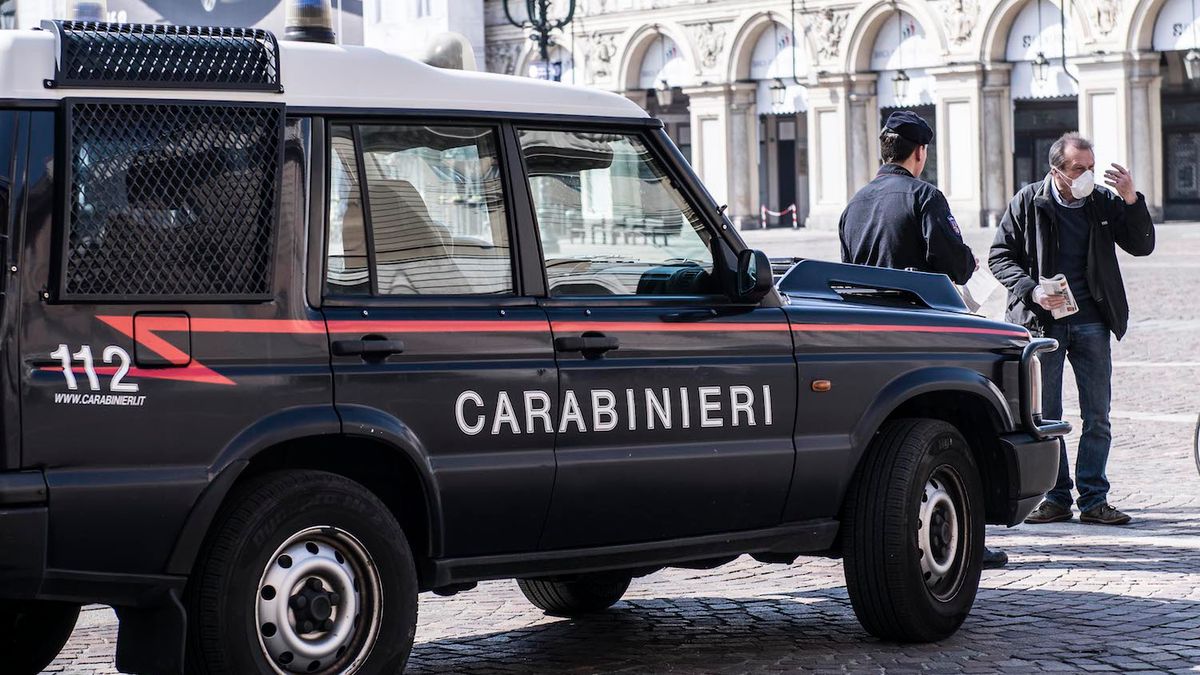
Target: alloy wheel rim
{"type": "Point", "coordinates": [318, 606]}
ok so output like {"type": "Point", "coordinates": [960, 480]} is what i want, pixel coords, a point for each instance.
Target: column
{"type": "Point", "coordinates": [709, 108]}
{"type": "Point", "coordinates": [960, 171]}
{"type": "Point", "coordinates": [1104, 110]}
{"type": "Point", "coordinates": [997, 134]}
{"type": "Point", "coordinates": [843, 147]}
{"type": "Point", "coordinates": [863, 148]}
{"type": "Point", "coordinates": [1146, 138]}
{"type": "Point", "coordinates": [743, 153]}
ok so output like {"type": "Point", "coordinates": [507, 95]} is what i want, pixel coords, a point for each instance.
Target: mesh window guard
{"type": "Point", "coordinates": [160, 56]}
{"type": "Point", "coordinates": [171, 200]}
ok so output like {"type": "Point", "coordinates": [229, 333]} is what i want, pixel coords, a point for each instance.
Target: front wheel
{"type": "Point", "coordinates": [33, 632]}
{"type": "Point", "coordinates": [913, 532]}
{"type": "Point", "coordinates": [305, 572]}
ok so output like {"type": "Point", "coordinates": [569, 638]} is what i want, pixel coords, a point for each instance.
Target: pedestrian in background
{"type": "Point", "coordinates": [1064, 224]}
{"type": "Point", "coordinates": [900, 221]}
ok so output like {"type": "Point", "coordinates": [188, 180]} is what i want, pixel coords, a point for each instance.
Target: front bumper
{"type": "Point", "coordinates": [1033, 468]}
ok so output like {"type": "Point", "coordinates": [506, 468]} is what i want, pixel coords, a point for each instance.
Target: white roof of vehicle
{"type": "Point", "coordinates": [330, 76]}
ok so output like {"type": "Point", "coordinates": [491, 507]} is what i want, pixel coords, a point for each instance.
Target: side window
{"type": "Point", "coordinates": [170, 201]}
{"type": "Point", "coordinates": [347, 268]}
{"type": "Point", "coordinates": [610, 221]}
{"type": "Point", "coordinates": [426, 216]}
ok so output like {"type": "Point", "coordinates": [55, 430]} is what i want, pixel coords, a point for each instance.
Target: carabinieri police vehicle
{"type": "Point", "coordinates": [293, 333]}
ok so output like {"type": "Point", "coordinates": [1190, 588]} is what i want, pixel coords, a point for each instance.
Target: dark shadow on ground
{"type": "Point", "coordinates": [1142, 557]}
{"type": "Point", "coordinates": [1009, 629]}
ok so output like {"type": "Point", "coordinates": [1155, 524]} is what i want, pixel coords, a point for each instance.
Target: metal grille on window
{"type": "Point", "coordinates": [107, 54]}
{"type": "Point", "coordinates": [171, 200]}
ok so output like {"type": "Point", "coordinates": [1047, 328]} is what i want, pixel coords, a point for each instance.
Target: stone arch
{"type": "Point", "coordinates": [1140, 37]}
{"type": "Point", "coordinates": [640, 39]}
{"type": "Point", "coordinates": [750, 29]}
{"type": "Point", "coordinates": [994, 37]}
{"type": "Point", "coordinates": [870, 16]}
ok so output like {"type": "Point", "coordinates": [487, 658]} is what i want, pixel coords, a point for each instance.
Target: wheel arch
{"type": "Point", "coordinates": [962, 397]}
{"type": "Point", "coordinates": [373, 448]}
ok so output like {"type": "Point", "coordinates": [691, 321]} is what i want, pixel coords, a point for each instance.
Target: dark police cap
{"type": "Point", "coordinates": [909, 126]}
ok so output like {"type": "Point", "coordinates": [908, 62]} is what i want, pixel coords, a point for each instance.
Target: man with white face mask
{"type": "Point", "coordinates": [1066, 225]}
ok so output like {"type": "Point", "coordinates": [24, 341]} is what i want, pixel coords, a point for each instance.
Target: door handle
{"type": "Point", "coordinates": [595, 344]}
{"type": "Point", "coordinates": [368, 348]}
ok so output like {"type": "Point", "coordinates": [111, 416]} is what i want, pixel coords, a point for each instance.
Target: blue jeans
{"type": "Point", "coordinates": [1087, 346]}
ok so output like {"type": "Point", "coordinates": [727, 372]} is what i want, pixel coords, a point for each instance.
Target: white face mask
{"type": "Point", "coordinates": [1081, 187]}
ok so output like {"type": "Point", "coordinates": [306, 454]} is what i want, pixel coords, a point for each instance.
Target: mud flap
{"type": "Point", "coordinates": [151, 639]}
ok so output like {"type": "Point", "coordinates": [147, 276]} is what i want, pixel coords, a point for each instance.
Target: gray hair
{"type": "Point", "coordinates": [1058, 151]}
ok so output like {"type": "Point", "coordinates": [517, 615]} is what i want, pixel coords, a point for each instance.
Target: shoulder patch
{"type": "Point", "coordinates": [954, 225]}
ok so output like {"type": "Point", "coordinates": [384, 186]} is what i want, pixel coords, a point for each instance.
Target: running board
{"type": "Point", "coordinates": [809, 536]}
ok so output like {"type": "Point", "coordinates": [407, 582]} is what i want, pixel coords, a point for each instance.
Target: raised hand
{"type": "Point", "coordinates": [1119, 179]}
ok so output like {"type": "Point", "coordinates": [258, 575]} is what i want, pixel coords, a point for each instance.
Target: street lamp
{"type": "Point", "coordinates": [539, 21]}
{"type": "Point", "coordinates": [1191, 60]}
{"type": "Point", "coordinates": [1041, 67]}
{"type": "Point", "coordinates": [664, 94]}
{"type": "Point", "coordinates": [1191, 64]}
{"type": "Point", "coordinates": [778, 92]}
{"type": "Point", "coordinates": [900, 80]}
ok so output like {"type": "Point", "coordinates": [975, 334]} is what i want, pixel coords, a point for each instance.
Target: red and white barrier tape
{"type": "Point", "coordinates": [764, 212]}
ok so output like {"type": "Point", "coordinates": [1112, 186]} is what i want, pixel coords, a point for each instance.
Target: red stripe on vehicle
{"type": "Point", "coordinates": [193, 373]}
{"type": "Point", "coordinates": [663, 327]}
{"type": "Point", "coordinates": [894, 328]}
{"type": "Point", "coordinates": [447, 326]}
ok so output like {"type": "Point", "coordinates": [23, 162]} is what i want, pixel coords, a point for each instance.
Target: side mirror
{"type": "Point", "coordinates": [754, 276]}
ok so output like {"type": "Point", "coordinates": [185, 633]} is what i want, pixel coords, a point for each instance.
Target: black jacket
{"type": "Point", "coordinates": [899, 221]}
{"type": "Point", "coordinates": [1026, 248]}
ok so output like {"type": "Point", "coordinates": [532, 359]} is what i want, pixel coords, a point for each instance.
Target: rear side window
{"type": "Point", "coordinates": [416, 210]}
{"type": "Point", "coordinates": [171, 201]}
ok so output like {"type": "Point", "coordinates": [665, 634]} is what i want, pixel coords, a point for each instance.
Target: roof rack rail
{"type": "Point", "coordinates": [92, 54]}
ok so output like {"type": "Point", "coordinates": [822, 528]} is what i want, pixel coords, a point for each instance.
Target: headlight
{"type": "Point", "coordinates": [1035, 386]}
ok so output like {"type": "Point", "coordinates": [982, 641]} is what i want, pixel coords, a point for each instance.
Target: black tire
{"type": "Point", "coordinates": [274, 535]}
{"type": "Point", "coordinates": [899, 591]}
{"type": "Point", "coordinates": [575, 596]}
{"type": "Point", "coordinates": [33, 632]}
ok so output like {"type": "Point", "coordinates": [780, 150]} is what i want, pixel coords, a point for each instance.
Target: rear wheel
{"type": "Point", "coordinates": [305, 572]}
{"type": "Point", "coordinates": [913, 537]}
{"type": "Point", "coordinates": [33, 632]}
{"type": "Point", "coordinates": [573, 596]}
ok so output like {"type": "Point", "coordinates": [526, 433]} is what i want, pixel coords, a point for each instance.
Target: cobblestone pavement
{"type": "Point", "coordinates": [1075, 597]}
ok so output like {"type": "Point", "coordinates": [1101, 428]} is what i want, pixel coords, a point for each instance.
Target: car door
{"type": "Point", "coordinates": [676, 406]}
{"type": "Point", "coordinates": [429, 334]}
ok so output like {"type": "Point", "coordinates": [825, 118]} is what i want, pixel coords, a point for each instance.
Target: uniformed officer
{"type": "Point", "coordinates": [900, 221]}
{"type": "Point", "coordinates": [903, 222]}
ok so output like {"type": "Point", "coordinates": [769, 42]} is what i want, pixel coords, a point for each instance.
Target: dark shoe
{"type": "Point", "coordinates": [1104, 515]}
{"type": "Point", "coordinates": [994, 560]}
{"type": "Point", "coordinates": [1049, 512]}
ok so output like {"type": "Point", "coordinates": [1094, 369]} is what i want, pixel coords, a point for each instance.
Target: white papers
{"type": "Point", "coordinates": [968, 298]}
{"type": "Point", "coordinates": [1057, 285]}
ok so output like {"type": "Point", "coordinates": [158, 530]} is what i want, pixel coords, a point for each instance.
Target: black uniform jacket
{"type": "Point", "coordinates": [1026, 247]}
{"type": "Point", "coordinates": [899, 221]}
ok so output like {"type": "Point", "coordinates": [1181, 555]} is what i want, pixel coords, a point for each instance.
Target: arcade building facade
{"type": "Point", "coordinates": [780, 103]}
